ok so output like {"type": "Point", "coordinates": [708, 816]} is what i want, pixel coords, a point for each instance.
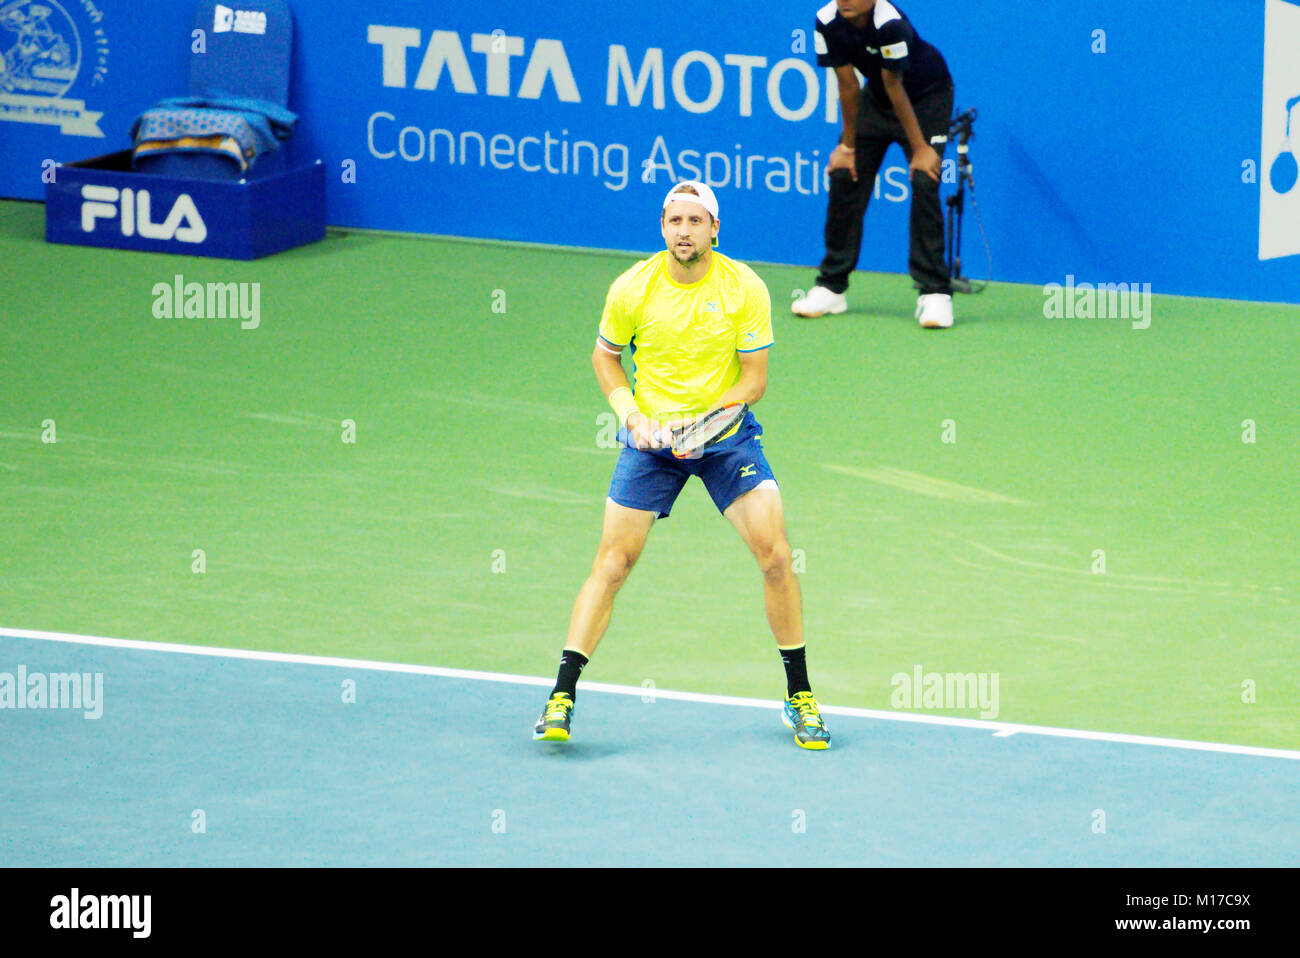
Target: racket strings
{"type": "Point", "coordinates": [707, 429]}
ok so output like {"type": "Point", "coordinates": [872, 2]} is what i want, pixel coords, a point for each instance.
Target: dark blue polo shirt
{"type": "Point", "coordinates": [887, 42]}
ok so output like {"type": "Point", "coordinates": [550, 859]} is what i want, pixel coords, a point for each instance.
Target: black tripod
{"type": "Point", "coordinates": [961, 130]}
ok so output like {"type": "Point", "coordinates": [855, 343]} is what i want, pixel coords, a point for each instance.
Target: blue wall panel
{"type": "Point", "coordinates": [1128, 165]}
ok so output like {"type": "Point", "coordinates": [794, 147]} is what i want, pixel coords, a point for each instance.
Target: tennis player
{"type": "Point", "coordinates": [699, 325]}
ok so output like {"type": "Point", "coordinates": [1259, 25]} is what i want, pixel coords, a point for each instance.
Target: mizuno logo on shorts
{"type": "Point", "coordinates": [748, 470]}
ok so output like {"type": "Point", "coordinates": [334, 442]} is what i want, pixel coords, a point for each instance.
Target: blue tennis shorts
{"type": "Point", "coordinates": [651, 479]}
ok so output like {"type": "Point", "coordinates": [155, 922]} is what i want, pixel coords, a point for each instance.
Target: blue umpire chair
{"type": "Point", "coordinates": [236, 115]}
{"type": "Point", "coordinates": [215, 173]}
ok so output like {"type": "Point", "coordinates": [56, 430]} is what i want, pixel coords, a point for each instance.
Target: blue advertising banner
{"type": "Point", "coordinates": [1139, 142]}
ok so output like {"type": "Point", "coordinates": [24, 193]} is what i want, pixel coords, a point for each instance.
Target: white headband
{"type": "Point", "coordinates": [705, 197]}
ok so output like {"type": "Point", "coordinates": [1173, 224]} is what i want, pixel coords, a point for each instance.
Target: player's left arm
{"type": "Point", "coordinates": [752, 383]}
{"type": "Point", "coordinates": [753, 341]}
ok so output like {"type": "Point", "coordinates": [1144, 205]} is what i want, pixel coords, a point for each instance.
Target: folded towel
{"type": "Point", "coordinates": [220, 145]}
{"type": "Point", "coordinates": [271, 121]}
{"type": "Point", "coordinates": [255, 126]}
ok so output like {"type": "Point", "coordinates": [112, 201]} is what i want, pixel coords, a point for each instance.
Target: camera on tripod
{"type": "Point", "coordinates": [962, 129]}
{"type": "Point", "coordinates": [962, 125]}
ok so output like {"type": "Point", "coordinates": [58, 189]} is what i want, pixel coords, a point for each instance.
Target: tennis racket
{"type": "Point", "coordinates": [689, 441]}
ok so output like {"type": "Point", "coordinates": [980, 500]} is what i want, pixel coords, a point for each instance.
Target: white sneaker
{"type": "Point", "coordinates": [934, 310]}
{"type": "Point", "coordinates": [819, 302]}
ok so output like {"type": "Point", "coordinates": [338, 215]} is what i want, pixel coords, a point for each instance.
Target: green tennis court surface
{"type": "Point", "coordinates": [457, 528]}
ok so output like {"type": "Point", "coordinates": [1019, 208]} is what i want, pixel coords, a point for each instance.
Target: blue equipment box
{"type": "Point", "coordinates": [103, 202]}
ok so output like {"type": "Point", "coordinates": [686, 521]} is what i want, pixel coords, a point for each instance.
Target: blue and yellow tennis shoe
{"type": "Point", "coordinates": [802, 715]}
{"type": "Point", "coordinates": [553, 726]}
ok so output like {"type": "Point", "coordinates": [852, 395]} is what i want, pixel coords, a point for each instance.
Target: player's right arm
{"type": "Point", "coordinates": [646, 432]}
{"type": "Point", "coordinates": [617, 327]}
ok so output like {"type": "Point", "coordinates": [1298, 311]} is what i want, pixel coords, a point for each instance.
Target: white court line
{"type": "Point", "coordinates": [999, 729]}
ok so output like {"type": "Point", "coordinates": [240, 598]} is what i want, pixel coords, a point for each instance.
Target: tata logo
{"type": "Point", "coordinates": [409, 61]}
{"type": "Point", "coordinates": [240, 21]}
{"type": "Point", "coordinates": [134, 211]}
{"type": "Point", "coordinates": [446, 53]}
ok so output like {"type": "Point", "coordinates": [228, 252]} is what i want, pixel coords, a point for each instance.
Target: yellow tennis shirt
{"type": "Point", "coordinates": [686, 339]}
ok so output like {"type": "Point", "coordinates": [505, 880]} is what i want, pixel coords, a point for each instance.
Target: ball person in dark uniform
{"type": "Point", "coordinates": [908, 100]}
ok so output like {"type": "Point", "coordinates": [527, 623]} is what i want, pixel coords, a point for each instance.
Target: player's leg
{"type": "Point", "coordinates": [926, 261]}
{"type": "Point", "coordinates": [759, 518]}
{"type": "Point", "coordinates": [644, 486]}
{"type": "Point", "coordinates": [621, 540]}
{"type": "Point", "coordinates": [740, 482]}
{"type": "Point", "coordinates": [742, 486]}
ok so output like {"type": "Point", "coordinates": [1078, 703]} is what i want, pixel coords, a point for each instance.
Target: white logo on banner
{"type": "Point", "coordinates": [183, 223]}
{"type": "Point", "coordinates": [1279, 181]}
{"type": "Point", "coordinates": [240, 21]}
{"type": "Point", "coordinates": [42, 64]}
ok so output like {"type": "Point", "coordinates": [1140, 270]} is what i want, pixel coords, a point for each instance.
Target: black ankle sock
{"type": "Point", "coordinates": [571, 666]}
{"type": "Point", "coordinates": [796, 670]}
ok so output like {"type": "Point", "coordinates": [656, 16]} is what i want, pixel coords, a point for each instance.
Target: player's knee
{"type": "Point", "coordinates": [774, 558]}
{"type": "Point", "coordinates": [613, 565]}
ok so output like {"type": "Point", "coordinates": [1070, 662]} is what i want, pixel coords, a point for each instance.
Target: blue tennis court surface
{"type": "Point", "coordinates": [434, 770]}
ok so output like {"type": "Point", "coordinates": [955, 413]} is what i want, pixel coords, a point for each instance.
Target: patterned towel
{"type": "Point", "coordinates": [170, 129]}
{"type": "Point", "coordinates": [192, 123]}
{"type": "Point", "coordinates": [220, 145]}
